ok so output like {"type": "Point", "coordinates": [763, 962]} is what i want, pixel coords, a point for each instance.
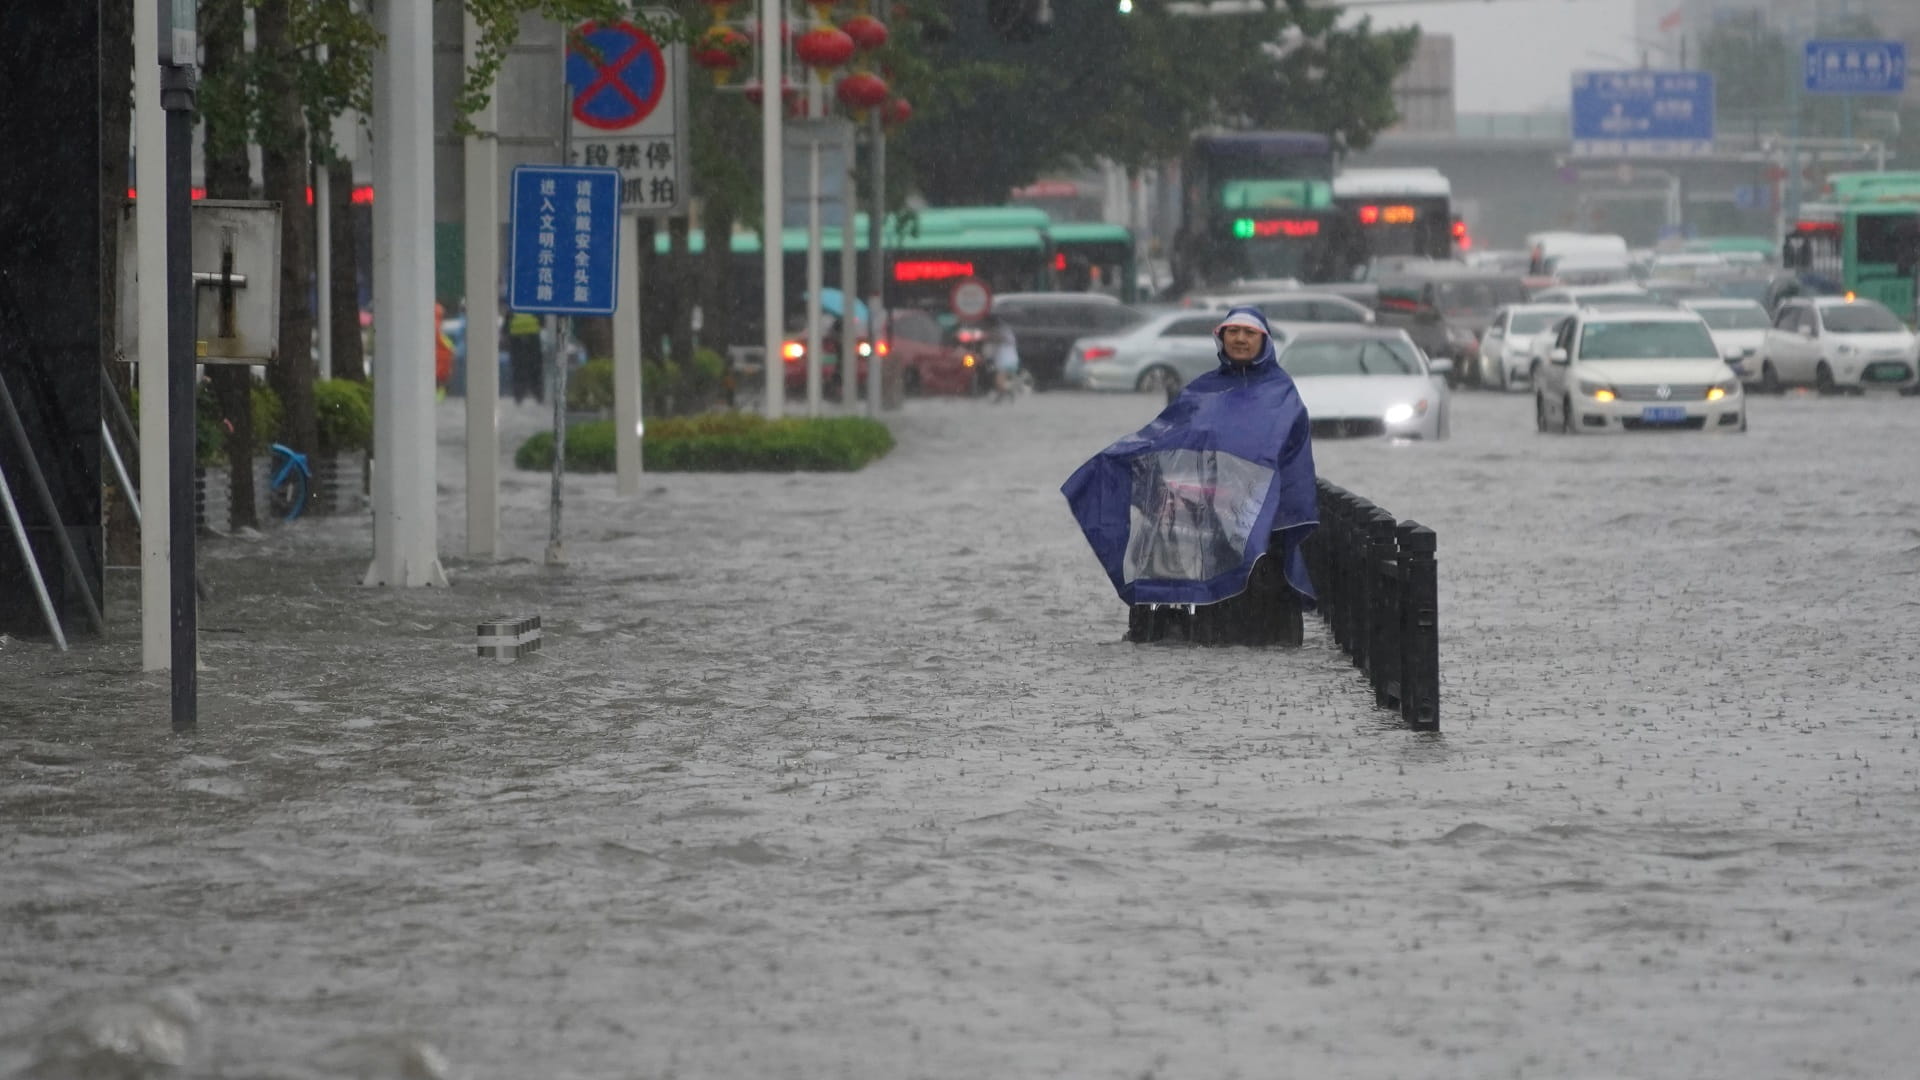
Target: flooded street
{"type": "Point", "coordinates": [851, 776]}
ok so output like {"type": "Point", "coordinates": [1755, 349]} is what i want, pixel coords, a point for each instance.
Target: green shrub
{"type": "Point", "coordinates": [722, 442]}
{"type": "Point", "coordinates": [590, 386]}
{"type": "Point", "coordinates": [672, 391]}
{"type": "Point", "coordinates": [344, 410]}
{"type": "Point", "coordinates": [267, 414]}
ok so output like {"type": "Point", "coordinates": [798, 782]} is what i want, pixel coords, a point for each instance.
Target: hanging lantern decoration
{"type": "Point", "coordinates": [720, 50]}
{"type": "Point", "coordinates": [861, 91]}
{"type": "Point", "coordinates": [897, 112]}
{"type": "Point", "coordinates": [824, 48]}
{"type": "Point", "coordinates": [867, 32]}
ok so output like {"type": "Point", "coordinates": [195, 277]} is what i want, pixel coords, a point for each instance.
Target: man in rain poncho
{"type": "Point", "coordinates": [1181, 511]}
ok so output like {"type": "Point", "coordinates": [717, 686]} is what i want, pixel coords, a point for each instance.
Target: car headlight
{"type": "Point", "coordinates": [1597, 391]}
{"type": "Point", "coordinates": [1844, 350]}
{"type": "Point", "coordinates": [1402, 412]}
{"type": "Point", "coordinates": [1723, 389]}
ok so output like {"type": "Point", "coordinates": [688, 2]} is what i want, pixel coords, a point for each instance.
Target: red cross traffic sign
{"type": "Point", "coordinates": [627, 104]}
{"type": "Point", "coordinates": [616, 74]}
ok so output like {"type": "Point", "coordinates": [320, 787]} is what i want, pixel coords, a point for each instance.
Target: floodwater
{"type": "Point", "coordinates": [851, 776]}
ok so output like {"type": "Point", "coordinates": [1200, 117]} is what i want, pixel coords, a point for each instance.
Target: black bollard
{"type": "Point", "coordinates": [1420, 629]}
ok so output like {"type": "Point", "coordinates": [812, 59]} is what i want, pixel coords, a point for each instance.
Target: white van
{"type": "Point", "coordinates": [1544, 247]}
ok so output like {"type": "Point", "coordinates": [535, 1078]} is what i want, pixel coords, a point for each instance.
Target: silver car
{"type": "Point", "coordinates": [1368, 381]}
{"type": "Point", "coordinates": [1160, 355]}
{"type": "Point", "coordinates": [1507, 352]}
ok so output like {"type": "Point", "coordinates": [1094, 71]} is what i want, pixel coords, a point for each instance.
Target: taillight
{"type": "Point", "coordinates": [883, 348]}
{"type": "Point", "coordinates": [793, 350]}
{"type": "Point", "coordinates": [1096, 353]}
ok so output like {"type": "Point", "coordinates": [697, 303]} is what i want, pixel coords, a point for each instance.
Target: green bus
{"type": "Point", "coordinates": [1864, 234]}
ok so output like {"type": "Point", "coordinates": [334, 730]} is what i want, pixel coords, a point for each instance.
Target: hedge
{"type": "Point", "coordinates": [722, 442]}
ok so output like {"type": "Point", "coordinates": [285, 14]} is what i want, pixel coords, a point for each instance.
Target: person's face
{"type": "Point", "coordinates": [1242, 343]}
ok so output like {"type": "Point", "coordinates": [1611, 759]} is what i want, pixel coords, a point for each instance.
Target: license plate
{"type": "Point", "coordinates": [1886, 372]}
{"type": "Point", "coordinates": [1663, 414]}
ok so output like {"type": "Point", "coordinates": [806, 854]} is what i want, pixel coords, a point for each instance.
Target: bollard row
{"type": "Point", "coordinates": [1378, 588]}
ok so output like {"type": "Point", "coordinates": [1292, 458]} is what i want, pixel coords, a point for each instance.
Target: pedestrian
{"type": "Point", "coordinates": [524, 355]}
{"type": "Point", "coordinates": [1184, 510]}
{"type": "Point", "coordinates": [1005, 348]}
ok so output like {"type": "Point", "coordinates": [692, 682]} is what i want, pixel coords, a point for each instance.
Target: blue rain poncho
{"type": "Point", "coordinates": [1181, 510]}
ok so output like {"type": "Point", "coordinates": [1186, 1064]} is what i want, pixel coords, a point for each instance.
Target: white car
{"type": "Point", "coordinates": [1507, 346]}
{"type": "Point", "coordinates": [1645, 369]}
{"type": "Point", "coordinates": [1367, 381]}
{"type": "Point", "coordinates": [1620, 293]}
{"type": "Point", "coordinates": [1739, 328]}
{"type": "Point", "coordinates": [1302, 306]}
{"type": "Point", "coordinates": [1834, 343]}
{"type": "Point", "coordinates": [1159, 356]}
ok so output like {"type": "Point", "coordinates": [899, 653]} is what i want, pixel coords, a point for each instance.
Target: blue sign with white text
{"type": "Point", "coordinates": [1642, 113]}
{"type": "Point", "coordinates": [566, 240]}
{"type": "Point", "coordinates": [1856, 67]}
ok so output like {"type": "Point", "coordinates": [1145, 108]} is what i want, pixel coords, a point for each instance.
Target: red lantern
{"type": "Point", "coordinates": [824, 48]}
{"type": "Point", "coordinates": [867, 32]}
{"type": "Point", "coordinates": [720, 50]}
{"type": "Point", "coordinates": [897, 112]}
{"type": "Point", "coordinates": [861, 91]}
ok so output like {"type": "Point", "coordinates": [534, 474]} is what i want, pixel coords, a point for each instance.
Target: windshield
{"type": "Point", "coordinates": [1385, 356]}
{"type": "Point", "coordinates": [1532, 322]}
{"type": "Point", "coordinates": [1734, 318]}
{"type": "Point", "coordinates": [1664, 340]}
{"type": "Point", "coordinates": [1860, 317]}
{"type": "Point", "coordinates": [1742, 288]}
{"type": "Point", "coordinates": [1466, 297]}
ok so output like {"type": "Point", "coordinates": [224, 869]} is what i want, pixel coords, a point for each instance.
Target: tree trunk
{"type": "Point", "coordinates": [680, 270]}
{"type": "Point", "coordinates": [716, 284]}
{"type": "Point", "coordinates": [116, 127]}
{"type": "Point", "coordinates": [228, 176]}
{"type": "Point", "coordinates": [343, 277]}
{"type": "Point", "coordinates": [283, 167]}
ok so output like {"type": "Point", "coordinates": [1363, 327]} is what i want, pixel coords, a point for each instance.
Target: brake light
{"type": "Point", "coordinates": [793, 350]}
{"type": "Point", "coordinates": [1098, 352]}
{"type": "Point", "coordinates": [1369, 215]}
{"type": "Point", "coordinates": [883, 348]}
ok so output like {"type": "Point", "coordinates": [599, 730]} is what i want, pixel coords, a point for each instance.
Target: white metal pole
{"type": "Point", "coordinates": [772, 275]}
{"type": "Point", "coordinates": [849, 292]}
{"type": "Point", "coordinates": [627, 420]}
{"type": "Point", "coordinates": [150, 231]}
{"type": "Point", "coordinates": [816, 273]}
{"type": "Point", "coordinates": [323, 266]}
{"type": "Point", "coordinates": [405, 530]}
{"type": "Point", "coordinates": [482, 163]}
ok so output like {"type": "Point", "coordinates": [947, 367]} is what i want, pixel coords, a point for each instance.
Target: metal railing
{"type": "Point", "coordinates": [1378, 586]}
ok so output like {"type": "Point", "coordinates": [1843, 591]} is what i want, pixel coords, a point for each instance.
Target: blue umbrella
{"type": "Point", "coordinates": [833, 303]}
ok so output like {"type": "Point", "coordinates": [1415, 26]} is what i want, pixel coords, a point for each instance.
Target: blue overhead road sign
{"type": "Point", "coordinates": [1642, 113]}
{"type": "Point", "coordinates": [1856, 67]}
{"type": "Point", "coordinates": [566, 235]}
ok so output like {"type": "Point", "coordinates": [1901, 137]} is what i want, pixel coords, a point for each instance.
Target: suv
{"type": "Point", "coordinates": [1045, 326]}
{"type": "Point", "coordinates": [1444, 307]}
{"type": "Point", "coordinates": [1644, 369]}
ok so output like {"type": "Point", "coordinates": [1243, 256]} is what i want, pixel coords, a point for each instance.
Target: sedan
{"type": "Point", "coordinates": [1739, 328]}
{"type": "Point", "coordinates": [1362, 381]}
{"type": "Point", "coordinates": [1160, 355]}
{"type": "Point", "coordinates": [1307, 307]}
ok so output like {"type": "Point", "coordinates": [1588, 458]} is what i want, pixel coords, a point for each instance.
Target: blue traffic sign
{"type": "Point", "coordinates": [616, 75]}
{"type": "Point", "coordinates": [566, 240]}
{"type": "Point", "coordinates": [1642, 113]}
{"type": "Point", "coordinates": [1855, 67]}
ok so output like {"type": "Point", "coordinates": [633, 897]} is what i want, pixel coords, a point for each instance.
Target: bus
{"type": "Point", "coordinates": [1863, 235]}
{"type": "Point", "coordinates": [1254, 205]}
{"type": "Point", "coordinates": [1392, 212]}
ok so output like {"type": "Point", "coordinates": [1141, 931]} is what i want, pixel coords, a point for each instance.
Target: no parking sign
{"type": "Point", "coordinates": [627, 105]}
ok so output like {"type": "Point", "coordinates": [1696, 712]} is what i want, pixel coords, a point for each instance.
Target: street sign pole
{"type": "Point", "coordinates": [178, 86]}
{"type": "Point", "coordinates": [773, 16]}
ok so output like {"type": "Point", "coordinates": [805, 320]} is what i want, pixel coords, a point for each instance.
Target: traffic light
{"type": "Point", "coordinates": [1020, 20]}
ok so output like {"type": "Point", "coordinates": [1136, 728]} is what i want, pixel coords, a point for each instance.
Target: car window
{"type": "Point", "coordinates": [1193, 326]}
{"type": "Point", "coordinates": [915, 326]}
{"type": "Point", "coordinates": [1808, 321]}
{"type": "Point", "coordinates": [1332, 311]}
{"type": "Point", "coordinates": [1864, 317]}
{"type": "Point", "coordinates": [1357, 357]}
{"type": "Point", "coordinates": [1634, 339]}
{"type": "Point", "coordinates": [1532, 322]}
{"type": "Point", "coordinates": [1734, 318]}
{"type": "Point", "coordinates": [1787, 317]}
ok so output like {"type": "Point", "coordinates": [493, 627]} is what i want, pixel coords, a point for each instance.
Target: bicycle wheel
{"type": "Point", "coordinates": [288, 495]}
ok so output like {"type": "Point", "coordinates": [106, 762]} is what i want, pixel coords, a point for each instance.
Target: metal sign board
{"type": "Point", "coordinates": [627, 110]}
{"type": "Point", "coordinates": [1855, 67]}
{"type": "Point", "coordinates": [834, 137]}
{"type": "Point", "coordinates": [1642, 113]}
{"type": "Point", "coordinates": [179, 33]}
{"type": "Point", "coordinates": [971, 300]}
{"type": "Point", "coordinates": [566, 240]}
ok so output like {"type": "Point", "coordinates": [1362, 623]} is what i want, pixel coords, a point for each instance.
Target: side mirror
{"type": "Point", "coordinates": [1558, 356]}
{"type": "Point", "coordinates": [1440, 365]}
